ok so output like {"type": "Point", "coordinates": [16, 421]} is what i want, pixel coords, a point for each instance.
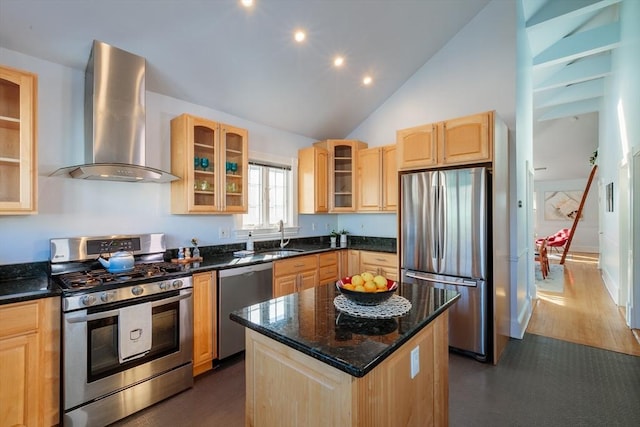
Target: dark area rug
{"type": "Point", "coordinates": [542, 381]}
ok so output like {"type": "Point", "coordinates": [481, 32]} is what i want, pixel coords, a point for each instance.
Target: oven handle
{"type": "Point", "coordinates": [110, 313]}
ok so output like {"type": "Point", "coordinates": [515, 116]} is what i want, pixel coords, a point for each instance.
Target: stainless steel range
{"type": "Point", "coordinates": [127, 337]}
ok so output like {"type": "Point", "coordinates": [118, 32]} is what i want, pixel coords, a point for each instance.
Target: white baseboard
{"type": "Point", "coordinates": [612, 286]}
{"type": "Point", "coordinates": [519, 324]}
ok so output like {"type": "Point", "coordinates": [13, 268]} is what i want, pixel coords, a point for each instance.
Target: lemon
{"type": "Point", "coordinates": [357, 280]}
{"type": "Point", "coordinates": [360, 288]}
{"type": "Point", "coordinates": [348, 286]}
{"type": "Point", "coordinates": [370, 286]}
{"type": "Point", "coordinates": [380, 281]}
{"type": "Point", "coordinates": [367, 276]}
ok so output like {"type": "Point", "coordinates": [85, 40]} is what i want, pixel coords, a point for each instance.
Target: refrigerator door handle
{"type": "Point", "coordinates": [468, 283]}
{"type": "Point", "coordinates": [433, 221]}
{"type": "Point", "coordinates": [442, 217]}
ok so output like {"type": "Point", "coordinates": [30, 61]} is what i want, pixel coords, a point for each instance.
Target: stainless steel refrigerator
{"type": "Point", "coordinates": [444, 243]}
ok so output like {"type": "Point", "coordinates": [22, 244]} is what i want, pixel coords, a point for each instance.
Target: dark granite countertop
{"type": "Point", "coordinates": [309, 322]}
{"type": "Point", "coordinates": [213, 260]}
{"type": "Point", "coordinates": [23, 282]}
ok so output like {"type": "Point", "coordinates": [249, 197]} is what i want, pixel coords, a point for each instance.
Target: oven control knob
{"type": "Point", "coordinates": [107, 296]}
{"type": "Point", "coordinates": [88, 300]}
{"type": "Point", "coordinates": [137, 290]}
{"type": "Point", "coordinates": [164, 286]}
{"type": "Point", "coordinates": [177, 284]}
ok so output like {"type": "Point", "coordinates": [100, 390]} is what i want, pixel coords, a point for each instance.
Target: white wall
{"type": "Point", "coordinates": [586, 236]}
{"type": "Point", "coordinates": [619, 134]}
{"type": "Point", "coordinates": [69, 207]}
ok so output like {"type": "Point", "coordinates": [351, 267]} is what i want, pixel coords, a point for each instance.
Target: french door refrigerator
{"type": "Point", "coordinates": [444, 243]}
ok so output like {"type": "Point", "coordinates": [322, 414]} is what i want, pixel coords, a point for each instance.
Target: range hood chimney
{"type": "Point", "coordinates": [114, 127]}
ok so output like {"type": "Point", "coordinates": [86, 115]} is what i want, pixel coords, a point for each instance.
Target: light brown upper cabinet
{"type": "Point", "coordinates": [378, 179]}
{"type": "Point", "coordinates": [18, 146]}
{"type": "Point", "coordinates": [212, 161]}
{"type": "Point", "coordinates": [417, 147]}
{"type": "Point", "coordinates": [464, 140]}
{"type": "Point", "coordinates": [342, 172]}
{"type": "Point", "coordinates": [313, 170]}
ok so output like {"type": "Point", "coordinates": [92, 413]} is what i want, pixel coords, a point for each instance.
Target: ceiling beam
{"type": "Point", "coordinates": [579, 45]}
{"type": "Point", "coordinates": [577, 92]}
{"type": "Point", "coordinates": [559, 10]}
{"type": "Point", "coordinates": [572, 109]}
{"type": "Point", "coordinates": [593, 67]}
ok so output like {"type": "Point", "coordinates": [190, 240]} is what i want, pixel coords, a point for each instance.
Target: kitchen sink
{"type": "Point", "coordinates": [282, 252]}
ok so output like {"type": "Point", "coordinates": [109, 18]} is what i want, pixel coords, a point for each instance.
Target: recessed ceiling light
{"type": "Point", "coordinates": [367, 80]}
{"type": "Point", "coordinates": [299, 36]}
{"type": "Point", "coordinates": [338, 61]}
{"type": "Point", "coordinates": [247, 3]}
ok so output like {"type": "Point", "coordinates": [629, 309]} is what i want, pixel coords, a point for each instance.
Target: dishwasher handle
{"type": "Point", "coordinates": [245, 270]}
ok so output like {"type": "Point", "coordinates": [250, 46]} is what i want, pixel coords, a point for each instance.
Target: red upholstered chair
{"type": "Point", "coordinates": [558, 240]}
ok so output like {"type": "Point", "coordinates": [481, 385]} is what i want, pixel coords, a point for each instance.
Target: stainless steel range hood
{"type": "Point", "coordinates": [115, 119]}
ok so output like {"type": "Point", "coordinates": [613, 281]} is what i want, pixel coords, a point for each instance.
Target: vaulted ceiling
{"type": "Point", "coordinates": [571, 43]}
{"type": "Point", "coordinates": [244, 62]}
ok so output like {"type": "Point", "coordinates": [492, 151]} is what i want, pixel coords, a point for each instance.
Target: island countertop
{"type": "Point", "coordinates": [309, 322]}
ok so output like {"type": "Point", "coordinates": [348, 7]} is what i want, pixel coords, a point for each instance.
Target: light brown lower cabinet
{"type": "Point", "coordinates": [353, 262]}
{"type": "Point", "coordinates": [285, 384]}
{"type": "Point", "coordinates": [204, 321]}
{"type": "Point", "coordinates": [295, 274]}
{"type": "Point", "coordinates": [383, 263]}
{"type": "Point", "coordinates": [328, 270]}
{"type": "Point", "coordinates": [30, 363]}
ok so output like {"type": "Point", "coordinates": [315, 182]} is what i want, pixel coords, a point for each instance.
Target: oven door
{"type": "Point", "coordinates": [92, 366]}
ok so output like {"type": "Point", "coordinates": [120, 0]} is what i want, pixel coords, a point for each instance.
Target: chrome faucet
{"type": "Point", "coordinates": [281, 230]}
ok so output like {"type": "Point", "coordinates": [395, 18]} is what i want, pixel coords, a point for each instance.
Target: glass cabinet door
{"type": "Point", "coordinates": [343, 176]}
{"type": "Point", "coordinates": [18, 165]}
{"type": "Point", "coordinates": [204, 160]}
{"type": "Point", "coordinates": [235, 158]}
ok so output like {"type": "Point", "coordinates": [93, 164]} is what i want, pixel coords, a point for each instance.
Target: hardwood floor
{"type": "Point", "coordinates": [583, 313]}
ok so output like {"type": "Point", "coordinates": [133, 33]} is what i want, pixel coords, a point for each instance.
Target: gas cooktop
{"type": "Point", "coordinates": [145, 272]}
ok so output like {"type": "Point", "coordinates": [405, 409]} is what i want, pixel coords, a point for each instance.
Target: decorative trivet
{"type": "Point", "coordinates": [394, 306]}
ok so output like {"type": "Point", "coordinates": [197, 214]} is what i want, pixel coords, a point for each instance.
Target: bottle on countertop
{"type": "Point", "coordinates": [250, 242]}
{"type": "Point", "coordinates": [180, 252]}
{"type": "Point", "coordinates": [195, 252]}
{"type": "Point", "coordinates": [187, 253]}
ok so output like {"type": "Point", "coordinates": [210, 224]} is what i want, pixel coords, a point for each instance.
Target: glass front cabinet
{"type": "Point", "coordinates": [211, 160]}
{"type": "Point", "coordinates": [342, 173]}
{"type": "Point", "coordinates": [18, 148]}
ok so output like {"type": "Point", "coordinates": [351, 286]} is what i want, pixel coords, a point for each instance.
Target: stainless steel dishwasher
{"type": "Point", "coordinates": [238, 288]}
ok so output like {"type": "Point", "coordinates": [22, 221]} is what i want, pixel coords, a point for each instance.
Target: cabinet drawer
{"type": "Point", "coordinates": [295, 265]}
{"type": "Point", "coordinates": [328, 258]}
{"type": "Point", "coordinates": [380, 259]}
{"type": "Point", "coordinates": [19, 318]}
{"type": "Point", "coordinates": [328, 273]}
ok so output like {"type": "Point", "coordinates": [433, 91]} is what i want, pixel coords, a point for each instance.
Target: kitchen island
{"type": "Point", "coordinates": [309, 364]}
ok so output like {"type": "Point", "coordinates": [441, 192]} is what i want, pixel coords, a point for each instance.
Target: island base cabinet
{"type": "Point", "coordinates": [287, 387]}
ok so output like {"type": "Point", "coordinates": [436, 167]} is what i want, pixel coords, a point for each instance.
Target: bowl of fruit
{"type": "Point", "coordinates": [367, 288]}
